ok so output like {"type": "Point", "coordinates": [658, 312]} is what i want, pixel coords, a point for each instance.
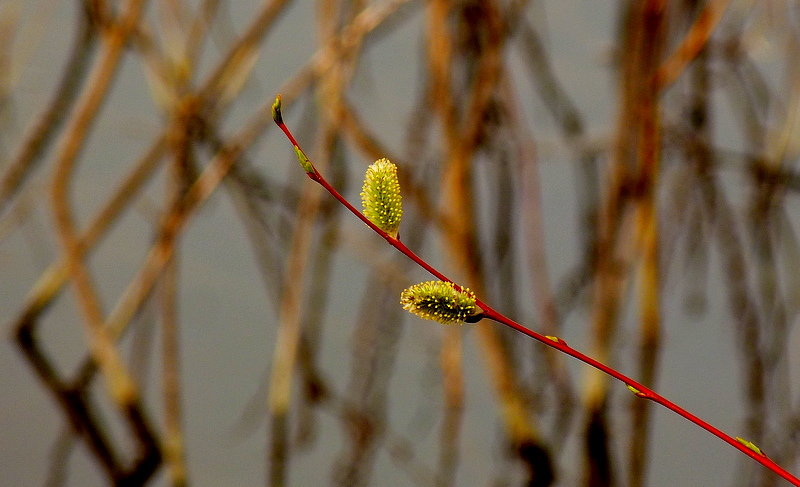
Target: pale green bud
{"type": "Point", "coordinates": [440, 301]}
{"type": "Point", "coordinates": [636, 392]}
{"type": "Point", "coordinates": [381, 198]}
{"type": "Point", "coordinates": [303, 160]}
{"type": "Point", "coordinates": [750, 445]}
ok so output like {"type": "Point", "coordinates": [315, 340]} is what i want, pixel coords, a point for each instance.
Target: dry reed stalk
{"type": "Point", "coordinates": [120, 385]}
{"type": "Point", "coordinates": [608, 271]}
{"type": "Point", "coordinates": [180, 136]}
{"type": "Point", "coordinates": [284, 355]}
{"type": "Point", "coordinates": [351, 37]}
{"type": "Point", "coordinates": [61, 450]}
{"type": "Point", "coordinates": [750, 307]}
{"type": "Point", "coordinates": [727, 232]}
{"type": "Point", "coordinates": [51, 281]}
{"type": "Point", "coordinates": [695, 40]}
{"type": "Point", "coordinates": [784, 250]}
{"type": "Point", "coordinates": [144, 281]}
{"type": "Point", "coordinates": [42, 132]}
{"type": "Point", "coordinates": [646, 229]}
{"type": "Point", "coordinates": [566, 115]}
{"type": "Point", "coordinates": [317, 297]}
{"type": "Point", "coordinates": [48, 286]}
{"type": "Point", "coordinates": [286, 343]}
{"type": "Point", "coordinates": [549, 319]}
{"type": "Point", "coordinates": [199, 28]}
{"type": "Point", "coordinates": [461, 137]}
{"type": "Point", "coordinates": [340, 46]}
{"type": "Point", "coordinates": [766, 223]}
{"type": "Point", "coordinates": [141, 285]}
{"type": "Point", "coordinates": [440, 52]}
{"type": "Point", "coordinates": [402, 450]}
{"type": "Point", "coordinates": [229, 75]}
{"type": "Point", "coordinates": [365, 414]}
{"type": "Point", "coordinates": [331, 87]}
{"type": "Point", "coordinates": [753, 108]}
{"type": "Point", "coordinates": [751, 96]}
{"type": "Point", "coordinates": [173, 222]}
{"type": "Point", "coordinates": [173, 439]}
{"type": "Point", "coordinates": [615, 254]}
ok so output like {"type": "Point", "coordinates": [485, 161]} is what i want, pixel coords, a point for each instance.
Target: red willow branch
{"type": "Point", "coordinates": [490, 313]}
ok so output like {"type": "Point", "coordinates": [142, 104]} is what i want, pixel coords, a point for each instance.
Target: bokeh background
{"type": "Point", "coordinates": [183, 306]}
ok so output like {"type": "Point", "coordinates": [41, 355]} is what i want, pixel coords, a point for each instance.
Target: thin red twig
{"type": "Point", "coordinates": [554, 342]}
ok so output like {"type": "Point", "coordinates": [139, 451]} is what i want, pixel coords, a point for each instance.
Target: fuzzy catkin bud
{"type": "Point", "coordinates": [381, 198]}
{"type": "Point", "coordinates": [440, 301]}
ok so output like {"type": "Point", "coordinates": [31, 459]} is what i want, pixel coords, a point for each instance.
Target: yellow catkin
{"type": "Point", "coordinates": [381, 198]}
{"type": "Point", "coordinates": [440, 301]}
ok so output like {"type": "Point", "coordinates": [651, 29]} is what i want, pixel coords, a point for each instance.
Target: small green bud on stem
{"type": "Point", "coordinates": [636, 392]}
{"type": "Point", "coordinates": [555, 339]}
{"type": "Point", "coordinates": [303, 159]}
{"type": "Point", "coordinates": [750, 445]}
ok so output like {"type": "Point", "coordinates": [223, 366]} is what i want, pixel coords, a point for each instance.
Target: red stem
{"type": "Point", "coordinates": [557, 343]}
{"type": "Point", "coordinates": [643, 391]}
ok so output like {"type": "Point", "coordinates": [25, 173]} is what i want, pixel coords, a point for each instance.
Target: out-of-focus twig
{"type": "Point", "coordinates": [481, 51]}
{"type": "Point", "coordinates": [693, 42]}
{"type": "Point", "coordinates": [527, 168]}
{"type": "Point", "coordinates": [647, 230]}
{"type": "Point", "coordinates": [44, 130]}
{"type": "Point", "coordinates": [121, 387]}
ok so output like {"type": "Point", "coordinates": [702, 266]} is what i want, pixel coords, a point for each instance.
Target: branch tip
{"type": "Point", "coordinates": [276, 110]}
